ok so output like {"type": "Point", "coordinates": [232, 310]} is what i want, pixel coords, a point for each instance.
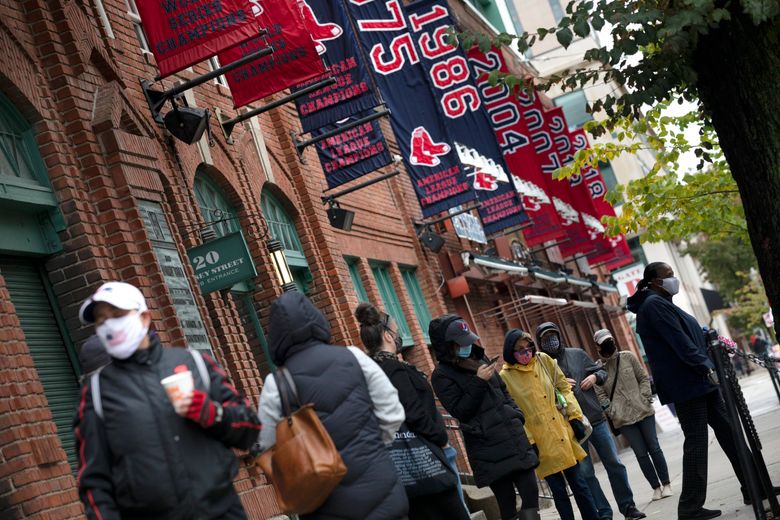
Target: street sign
{"type": "Point", "coordinates": [222, 263]}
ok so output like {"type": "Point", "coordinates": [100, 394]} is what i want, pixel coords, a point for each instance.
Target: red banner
{"type": "Point", "coordinates": [294, 60]}
{"type": "Point", "coordinates": [505, 114]}
{"type": "Point", "coordinates": [182, 33]}
{"type": "Point", "coordinates": [613, 250]}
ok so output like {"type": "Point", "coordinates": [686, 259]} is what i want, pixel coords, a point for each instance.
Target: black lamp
{"type": "Point", "coordinates": [187, 123]}
{"type": "Point", "coordinates": [282, 269]}
{"type": "Point", "coordinates": [339, 217]}
{"type": "Point", "coordinates": [430, 239]}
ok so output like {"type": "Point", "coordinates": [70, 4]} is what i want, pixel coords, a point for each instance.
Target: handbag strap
{"type": "Point", "coordinates": [617, 374]}
{"type": "Point", "coordinates": [287, 391]}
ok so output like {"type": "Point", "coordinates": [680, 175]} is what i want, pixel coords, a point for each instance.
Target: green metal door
{"type": "Point", "coordinates": [54, 361]}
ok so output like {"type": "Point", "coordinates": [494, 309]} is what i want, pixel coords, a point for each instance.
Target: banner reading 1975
{"type": "Point", "coordinates": [182, 33]}
{"type": "Point", "coordinates": [437, 175]}
{"type": "Point", "coordinates": [466, 121]}
{"type": "Point", "coordinates": [335, 41]}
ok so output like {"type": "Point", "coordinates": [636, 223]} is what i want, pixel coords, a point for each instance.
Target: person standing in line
{"type": "Point", "coordinates": [142, 455]}
{"type": "Point", "coordinates": [532, 380]}
{"type": "Point", "coordinates": [468, 387]}
{"type": "Point", "coordinates": [353, 398]}
{"type": "Point", "coordinates": [684, 375]}
{"type": "Point", "coordinates": [379, 334]}
{"type": "Point", "coordinates": [629, 400]}
{"type": "Point", "coordinates": [583, 375]}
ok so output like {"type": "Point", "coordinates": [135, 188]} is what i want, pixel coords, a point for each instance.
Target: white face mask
{"type": "Point", "coordinates": [121, 336]}
{"type": "Point", "coordinates": [671, 285]}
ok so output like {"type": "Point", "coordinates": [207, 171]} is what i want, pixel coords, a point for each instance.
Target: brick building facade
{"type": "Point", "coordinates": [91, 190]}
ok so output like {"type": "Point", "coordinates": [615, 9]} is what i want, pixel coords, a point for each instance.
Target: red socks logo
{"type": "Point", "coordinates": [426, 152]}
{"type": "Point", "coordinates": [320, 32]}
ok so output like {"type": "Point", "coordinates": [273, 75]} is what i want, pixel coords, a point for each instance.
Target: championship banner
{"type": "Point", "coordinates": [294, 60]}
{"type": "Point", "coordinates": [580, 202]}
{"type": "Point", "coordinates": [505, 114]}
{"type": "Point", "coordinates": [335, 42]}
{"type": "Point", "coordinates": [437, 175]}
{"type": "Point", "coordinates": [591, 182]}
{"type": "Point", "coordinates": [549, 160]}
{"type": "Point", "coordinates": [182, 33]}
{"type": "Point", "coordinates": [466, 121]}
{"type": "Point", "coordinates": [352, 153]}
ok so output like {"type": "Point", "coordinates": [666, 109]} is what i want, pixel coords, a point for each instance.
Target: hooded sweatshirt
{"type": "Point", "coordinates": [675, 346]}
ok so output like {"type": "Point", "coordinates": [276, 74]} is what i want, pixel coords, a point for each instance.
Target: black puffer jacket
{"type": "Point", "coordinates": [491, 422]}
{"type": "Point", "coordinates": [142, 460]}
{"type": "Point", "coordinates": [331, 378]}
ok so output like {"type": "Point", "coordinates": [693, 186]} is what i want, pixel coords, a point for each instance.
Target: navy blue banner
{"type": "Point", "coordinates": [335, 41]}
{"type": "Point", "coordinates": [438, 177]}
{"type": "Point", "coordinates": [468, 127]}
{"type": "Point", "coordinates": [352, 153]}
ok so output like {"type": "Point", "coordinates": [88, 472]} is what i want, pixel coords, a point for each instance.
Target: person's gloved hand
{"type": "Point", "coordinates": [578, 428]}
{"type": "Point", "coordinates": [203, 410]}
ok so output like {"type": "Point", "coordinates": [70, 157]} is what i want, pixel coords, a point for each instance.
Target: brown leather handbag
{"type": "Point", "coordinates": [304, 467]}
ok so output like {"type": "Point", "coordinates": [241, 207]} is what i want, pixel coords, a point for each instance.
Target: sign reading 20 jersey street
{"type": "Point", "coordinates": [466, 120]}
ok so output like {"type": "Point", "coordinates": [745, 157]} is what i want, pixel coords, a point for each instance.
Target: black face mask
{"type": "Point", "coordinates": [399, 343]}
{"type": "Point", "coordinates": [551, 344]}
{"type": "Point", "coordinates": [607, 348]}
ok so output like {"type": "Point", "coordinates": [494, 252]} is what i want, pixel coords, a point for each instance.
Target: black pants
{"type": "Point", "coordinates": [504, 490]}
{"type": "Point", "coordinates": [438, 506]}
{"type": "Point", "coordinates": [694, 415]}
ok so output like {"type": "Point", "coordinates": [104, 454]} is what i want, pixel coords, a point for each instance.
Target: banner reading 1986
{"type": "Point", "coordinates": [182, 33]}
{"type": "Point", "coordinates": [294, 59]}
{"type": "Point", "coordinates": [437, 175]}
{"type": "Point", "coordinates": [465, 118]}
{"type": "Point", "coordinates": [335, 40]}
{"type": "Point", "coordinates": [505, 113]}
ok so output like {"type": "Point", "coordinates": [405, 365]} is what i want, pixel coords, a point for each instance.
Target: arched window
{"type": "Point", "coordinates": [214, 205]}
{"type": "Point", "coordinates": [282, 228]}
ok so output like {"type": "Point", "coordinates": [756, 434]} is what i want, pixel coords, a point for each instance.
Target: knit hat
{"type": "Point", "coordinates": [600, 336]}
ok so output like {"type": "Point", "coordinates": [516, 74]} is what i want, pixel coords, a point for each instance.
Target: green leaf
{"type": "Point", "coordinates": [597, 22]}
{"type": "Point", "coordinates": [565, 37]}
{"type": "Point", "coordinates": [581, 27]}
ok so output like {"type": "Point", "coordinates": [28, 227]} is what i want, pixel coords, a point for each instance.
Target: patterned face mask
{"type": "Point", "coordinates": [551, 344]}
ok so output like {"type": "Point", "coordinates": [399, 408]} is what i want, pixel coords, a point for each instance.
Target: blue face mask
{"type": "Point", "coordinates": [464, 352]}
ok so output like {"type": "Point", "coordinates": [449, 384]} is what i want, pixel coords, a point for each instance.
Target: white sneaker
{"type": "Point", "coordinates": [667, 491]}
{"type": "Point", "coordinates": [657, 494]}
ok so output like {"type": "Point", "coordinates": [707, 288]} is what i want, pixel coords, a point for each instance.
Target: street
{"type": "Point", "coordinates": [724, 490]}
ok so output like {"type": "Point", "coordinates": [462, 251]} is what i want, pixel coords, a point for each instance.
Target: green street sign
{"type": "Point", "coordinates": [222, 263]}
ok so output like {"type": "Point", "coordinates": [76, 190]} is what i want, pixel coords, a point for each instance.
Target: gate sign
{"type": "Point", "coordinates": [294, 60]}
{"type": "Point", "coordinates": [466, 121]}
{"type": "Point", "coordinates": [182, 33]}
{"type": "Point", "coordinates": [627, 279]}
{"type": "Point", "coordinates": [352, 153]}
{"type": "Point", "coordinates": [505, 113]}
{"type": "Point", "coordinates": [222, 263]}
{"type": "Point", "coordinates": [437, 175]}
{"type": "Point", "coordinates": [335, 40]}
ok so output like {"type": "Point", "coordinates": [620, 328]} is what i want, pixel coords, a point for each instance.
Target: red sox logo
{"type": "Point", "coordinates": [320, 32]}
{"type": "Point", "coordinates": [425, 151]}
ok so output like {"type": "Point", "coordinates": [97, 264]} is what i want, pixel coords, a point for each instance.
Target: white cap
{"type": "Point", "coordinates": [119, 294]}
{"type": "Point", "coordinates": [601, 336]}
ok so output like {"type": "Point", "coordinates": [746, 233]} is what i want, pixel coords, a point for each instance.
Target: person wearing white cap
{"type": "Point", "coordinates": [628, 399]}
{"type": "Point", "coordinates": [152, 451]}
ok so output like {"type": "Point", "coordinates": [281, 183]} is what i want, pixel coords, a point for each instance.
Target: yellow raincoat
{"type": "Point", "coordinates": [532, 389]}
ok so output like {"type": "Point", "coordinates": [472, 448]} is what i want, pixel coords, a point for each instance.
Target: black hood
{"type": "Point", "coordinates": [633, 303]}
{"type": "Point", "coordinates": [509, 344]}
{"type": "Point", "coordinates": [295, 324]}
{"type": "Point", "coordinates": [436, 331]}
{"type": "Point", "coordinates": [547, 325]}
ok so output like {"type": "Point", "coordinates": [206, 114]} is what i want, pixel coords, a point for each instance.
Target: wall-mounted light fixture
{"type": "Point", "coordinates": [339, 217]}
{"type": "Point", "coordinates": [281, 267]}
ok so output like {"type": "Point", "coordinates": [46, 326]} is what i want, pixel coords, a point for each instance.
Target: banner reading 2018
{"type": "Point", "coordinates": [437, 175]}
{"type": "Point", "coordinates": [467, 124]}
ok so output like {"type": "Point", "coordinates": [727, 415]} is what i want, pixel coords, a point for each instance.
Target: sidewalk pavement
{"type": "Point", "coordinates": [723, 491]}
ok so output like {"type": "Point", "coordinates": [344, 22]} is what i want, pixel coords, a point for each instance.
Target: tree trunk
{"type": "Point", "coordinates": [738, 67]}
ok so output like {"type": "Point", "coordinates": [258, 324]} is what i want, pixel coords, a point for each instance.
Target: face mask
{"type": "Point", "coordinates": [463, 352]}
{"type": "Point", "coordinates": [551, 345]}
{"type": "Point", "coordinates": [671, 285]}
{"type": "Point", "coordinates": [524, 357]}
{"type": "Point", "coordinates": [399, 342]}
{"type": "Point", "coordinates": [607, 348]}
{"type": "Point", "coordinates": [121, 336]}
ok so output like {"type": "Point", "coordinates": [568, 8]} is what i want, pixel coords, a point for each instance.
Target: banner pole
{"type": "Point", "coordinates": [229, 124]}
{"type": "Point", "coordinates": [333, 197]}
